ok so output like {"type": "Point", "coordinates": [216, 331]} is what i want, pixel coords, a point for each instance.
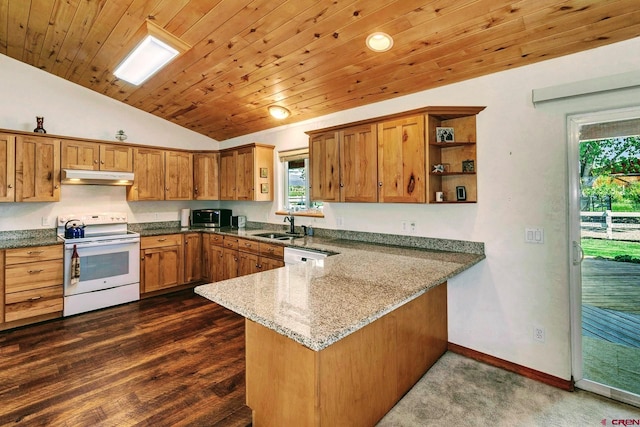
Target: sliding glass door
{"type": "Point", "coordinates": [604, 184]}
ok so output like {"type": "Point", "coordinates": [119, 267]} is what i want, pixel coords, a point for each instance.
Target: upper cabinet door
{"type": "Point", "coordinates": [244, 174]}
{"type": "Point", "coordinates": [37, 169]}
{"type": "Point", "coordinates": [116, 158]}
{"type": "Point", "coordinates": [179, 175]}
{"type": "Point", "coordinates": [228, 175]}
{"type": "Point", "coordinates": [206, 176]}
{"type": "Point", "coordinates": [80, 155]}
{"type": "Point", "coordinates": [324, 157]}
{"type": "Point", "coordinates": [401, 161]}
{"type": "Point", "coordinates": [148, 175]}
{"type": "Point", "coordinates": [7, 168]}
{"type": "Point", "coordinates": [359, 164]}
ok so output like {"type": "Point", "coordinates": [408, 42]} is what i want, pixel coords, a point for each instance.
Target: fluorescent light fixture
{"type": "Point", "coordinates": [379, 42]}
{"type": "Point", "coordinates": [146, 59]}
{"type": "Point", "coordinates": [278, 112]}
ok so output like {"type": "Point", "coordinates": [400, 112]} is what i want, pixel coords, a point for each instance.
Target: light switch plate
{"type": "Point", "coordinates": [534, 235]}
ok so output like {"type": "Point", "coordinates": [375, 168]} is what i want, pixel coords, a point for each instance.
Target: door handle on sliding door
{"type": "Point", "coordinates": [578, 253]}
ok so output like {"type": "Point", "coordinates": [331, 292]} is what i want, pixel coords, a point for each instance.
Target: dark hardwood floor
{"type": "Point", "coordinates": [173, 360]}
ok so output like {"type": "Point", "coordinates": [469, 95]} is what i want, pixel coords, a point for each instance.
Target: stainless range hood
{"type": "Point", "coordinates": [87, 177]}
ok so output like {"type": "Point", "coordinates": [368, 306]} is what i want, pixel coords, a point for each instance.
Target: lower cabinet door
{"type": "Point", "coordinates": [230, 263]}
{"type": "Point", "coordinates": [161, 268]}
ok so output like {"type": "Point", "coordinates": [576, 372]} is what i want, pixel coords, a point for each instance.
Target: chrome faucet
{"type": "Point", "coordinates": [292, 227]}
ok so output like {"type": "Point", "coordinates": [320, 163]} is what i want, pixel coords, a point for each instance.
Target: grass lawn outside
{"type": "Point", "coordinates": [611, 249]}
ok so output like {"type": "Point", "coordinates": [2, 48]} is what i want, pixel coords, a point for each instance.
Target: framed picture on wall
{"type": "Point", "coordinates": [444, 134]}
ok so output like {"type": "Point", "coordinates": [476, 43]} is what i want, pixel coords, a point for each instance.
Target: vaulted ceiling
{"type": "Point", "coordinates": [306, 55]}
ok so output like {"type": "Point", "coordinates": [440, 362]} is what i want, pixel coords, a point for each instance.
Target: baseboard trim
{"type": "Point", "coordinates": [512, 367]}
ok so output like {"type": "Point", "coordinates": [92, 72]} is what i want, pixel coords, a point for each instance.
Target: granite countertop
{"type": "Point", "coordinates": [320, 302]}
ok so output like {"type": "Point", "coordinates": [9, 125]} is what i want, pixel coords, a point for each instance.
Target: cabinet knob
{"type": "Point", "coordinates": [35, 271]}
{"type": "Point", "coordinates": [10, 185]}
{"type": "Point", "coordinates": [167, 188]}
{"type": "Point", "coordinates": [57, 186]}
{"type": "Point", "coordinates": [95, 162]}
{"type": "Point", "coordinates": [341, 184]}
{"type": "Point", "coordinates": [161, 240]}
{"type": "Point", "coordinates": [380, 184]}
{"type": "Point", "coordinates": [35, 298]}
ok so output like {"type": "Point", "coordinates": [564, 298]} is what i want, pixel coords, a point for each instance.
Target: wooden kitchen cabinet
{"type": "Point", "coordinates": [213, 257]}
{"type": "Point", "coordinates": [87, 155]}
{"type": "Point", "coordinates": [206, 176]}
{"type": "Point", "coordinates": [246, 173]}
{"type": "Point", "coordinates": [452, 154]}
{"type": "Point", "coordinates": [178, 175]}
{"type": "Point", "coordinates": [148, 169]}
{"type": "Point", "coordinates": [343, 165]}
{"type": "Point", "coordinates": [402, 160]}
{"type": "Point", "coordinates": [324, 169]}
{"type": "Point", "coordinates": [37, 169]}
{"type": "Point", "coordinates": [391, 159]}
{"type": "Point", "coordinates": [255, 257]}
{"type": "Point", "coordinates": [230, 258]}
{"type": "Point", "coordinates": [358, 165]}
{"type": "Point", "coordinates": [161, 175]}
{"type": "Point", "coordinates": [192, 257]}
{"type": "Point", "coordinates": [7, 167]}
{"type": "Point", "coordinates": [161, 262]}
{"type": "Point", "coordinates": [32, 284]}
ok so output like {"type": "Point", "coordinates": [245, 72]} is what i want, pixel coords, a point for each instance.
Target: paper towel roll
{"type": "Point", "coordinates": [184, 217]}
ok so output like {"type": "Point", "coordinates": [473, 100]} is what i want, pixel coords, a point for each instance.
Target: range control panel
{"type": "Point", "coordinates": [95, 219]}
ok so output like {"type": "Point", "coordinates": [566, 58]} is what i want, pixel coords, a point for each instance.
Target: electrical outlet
{"type": "Point", "coordinates": [538, 333]}
{"type": "Point", "coordinates": [404, 226]}
{"type": "Point", "coordinates": [412, 227]}
{"type": "Point", "coordinates": [156, 215]}
{"type": "Point", "coordinates": [45, 221]}
{"type": "Point", "coordinates": [339, 221]}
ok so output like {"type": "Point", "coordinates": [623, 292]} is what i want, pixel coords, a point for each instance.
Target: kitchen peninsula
{"type": "Point", "coordinates": [339, 341]}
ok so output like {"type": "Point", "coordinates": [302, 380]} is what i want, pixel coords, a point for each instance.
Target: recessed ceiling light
{"type": "Point", "coordinates": [379, 42]}
{"type": "Point", "coordinates": [278, 112]}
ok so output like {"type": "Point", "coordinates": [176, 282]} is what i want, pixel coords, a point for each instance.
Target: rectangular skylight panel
{"type": "Point", "coordinates": [146, 59]}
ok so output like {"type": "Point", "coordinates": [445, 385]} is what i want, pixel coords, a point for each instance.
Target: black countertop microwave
{"type": "Point", "coordinates": [210, 218]}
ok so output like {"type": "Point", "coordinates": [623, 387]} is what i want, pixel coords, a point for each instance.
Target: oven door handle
{"type": "Point", "coordinates": [100, 243]}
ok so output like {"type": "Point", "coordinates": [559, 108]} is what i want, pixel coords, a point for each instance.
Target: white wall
{"type": "Point", "coordinates": [71, 110]}
{"type": "Point", "coordinates": [522, 181]}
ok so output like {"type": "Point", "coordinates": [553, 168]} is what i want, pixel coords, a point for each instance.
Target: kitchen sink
{"type": "Point", "coordinates": [279, 236]}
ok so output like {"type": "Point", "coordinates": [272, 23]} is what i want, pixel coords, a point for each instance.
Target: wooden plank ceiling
{"type": "Point", "coordinates": [306, 55]}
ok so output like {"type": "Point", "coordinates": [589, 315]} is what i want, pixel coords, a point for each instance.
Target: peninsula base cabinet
{"type": "Point", "coordinates": [353, 382]}
{"type": "Point", "coordinates": [31, 285]}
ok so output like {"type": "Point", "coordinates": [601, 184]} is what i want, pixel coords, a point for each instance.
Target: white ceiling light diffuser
{"type": "Point", "coordinates": [145, 60]}
{"type": "Point", "coordinates": [156, 50]}
{"type": "Point", "coordinates": [379, 42]}
{"type": "Point", "coordinates": [278, 112]}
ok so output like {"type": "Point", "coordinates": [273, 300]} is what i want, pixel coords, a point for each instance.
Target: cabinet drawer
{"type": "Point", "coordinates": [270, 250]}
{"type": "Point", "coordinates": [250, 246]}
{"type": "Point", "coordinates": [36, 253]}
{"type": "Point", "coordinates": [34, 302]}
{"type": "Point", "coordinates": [23, 277]}
{"type": "Point", "coordinates": [230, 242]}
{"type": "Point", "coordinates": [160, 241]}
{"type": "Point", "coordinates": [216, 239]}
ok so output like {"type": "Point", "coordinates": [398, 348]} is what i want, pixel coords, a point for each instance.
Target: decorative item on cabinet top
{"type": "Point", "coordinates": [120, 135]}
